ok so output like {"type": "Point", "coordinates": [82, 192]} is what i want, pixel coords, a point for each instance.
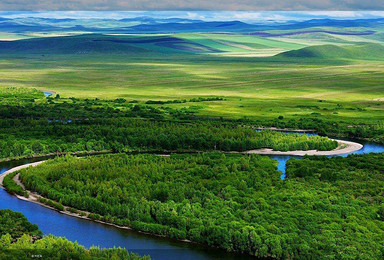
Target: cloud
{"type": "Point", "coordinates": [167, 5]}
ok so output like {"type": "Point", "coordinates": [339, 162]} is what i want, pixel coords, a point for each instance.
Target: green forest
{"type": "Point", "coordinates": [20, 239]}
{"type": "Point", "coordinates": [117, 135]}
{"type": "Point", "coordinates": [31, 125]}
{"type": "Point", "coordinates": [231, 201]}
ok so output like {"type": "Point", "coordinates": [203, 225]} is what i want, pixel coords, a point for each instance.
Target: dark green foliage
{"type": "Point", "coordinates": [12, 187]}
{"type": "Point", "coordinates": [360, 130]}
{"type": "Point", "coordinates": [19, 239]}
{"type": "Point", "coordinates": [198, 197]}
{"type": "Point", "coordinates": [52, 204]}
{"type": "Point", "coordinates": [30, 137]}
{"type": "Point", "coordinates": [355, 168]}
{"type": "Point", "coordinates": [16, 224]}
{"type": "Point", "coordinates": [235, 202]}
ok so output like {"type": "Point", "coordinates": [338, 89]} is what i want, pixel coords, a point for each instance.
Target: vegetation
{"type": "Point", "coordinates": [364, 51]}
{"type": "Point", "coordinates": [235, 202]}
{"type": "Point", "coordinates": [12, 187]}
{"type": "Point", "coordinates": [41, 137]}
{"type": "Point", "coordinates": [53, 204]}
{"type": "Point", "coordinates": [16, 224]}
{"type": "Point", "coordinates": [176, 101]}
{"type": "Point", "coordinates": [19, 239]}
{"type": "Point", "coordinates": [198, 92]}
{"type": "Point", "coordinates": [30, 129]}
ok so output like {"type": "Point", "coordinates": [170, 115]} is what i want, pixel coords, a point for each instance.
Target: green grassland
{"type": "Point", "coordinates": [343, 82]}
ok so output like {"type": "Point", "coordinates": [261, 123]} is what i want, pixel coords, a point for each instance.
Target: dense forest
{"type": "Point", "coordinates": [19, 239]}
{"type": "Point", "coordinates": [34, 125]}
{"type": "Point", "coordinates": [231, 201]}
{"type": "Point", "coordinates": [16, 224]}
{"type": "Point", "coordinates": [43, 127]}
{"type": "Point", "coordinates": [26, 138]}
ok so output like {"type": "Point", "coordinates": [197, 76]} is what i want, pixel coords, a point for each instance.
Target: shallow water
{"type": "Point", "coordinates": [47, 94]}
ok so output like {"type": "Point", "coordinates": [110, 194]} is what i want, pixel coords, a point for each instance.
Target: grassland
{"type": "Point", "coordinates": [338, 87]}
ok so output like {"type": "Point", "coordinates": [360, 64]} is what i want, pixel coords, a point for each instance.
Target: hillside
{"type": "Point", "coordinates": [103, 44]}
{"type": "Point", "coordinates": [358, 51]}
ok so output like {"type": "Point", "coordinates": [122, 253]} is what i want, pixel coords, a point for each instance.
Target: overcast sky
{"type": "Point", "coordinates": [246, 16]}
{"type": "Point", "coordinates": [192, 5]}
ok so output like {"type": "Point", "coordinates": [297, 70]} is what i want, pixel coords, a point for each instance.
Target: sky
{"type": "Point", "coordinates": [246, 16]}
{"type": "Point", "coordinates": [190, 5]}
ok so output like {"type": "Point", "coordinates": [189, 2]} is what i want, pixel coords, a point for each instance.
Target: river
{"type": "Point", "coordinates": [89, 233]}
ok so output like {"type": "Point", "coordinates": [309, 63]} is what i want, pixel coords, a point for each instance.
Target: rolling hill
{"type": "Point", "coordinates": [103, 44]}
{"type": "Point", "coordinates": [358, 51]}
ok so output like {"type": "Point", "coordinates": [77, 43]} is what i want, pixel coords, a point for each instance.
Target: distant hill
{"type": "Point", "coordinates": [10, 26]}
{"type": "Point", "coordinates": [193, 27]}
{"type": "Point", "coordinates": [267, 34]}
{"type": "Point", "coordinates": [359, 51]}
{"type": "Point", "coordinates": [332, 23]}
{"type": "Point", "coordinates": [146, 24]}
{"type": "Point", "coordinates": [103, 44]}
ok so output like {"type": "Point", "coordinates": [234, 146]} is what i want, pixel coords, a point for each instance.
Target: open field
{"type": "Point", "coordinates": [340, 88]}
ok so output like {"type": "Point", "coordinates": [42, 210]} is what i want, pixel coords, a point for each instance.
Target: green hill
{"type": "Point", "coordinates": [360, 51]}
{"type": "Point", "coordinates": [103, 44]}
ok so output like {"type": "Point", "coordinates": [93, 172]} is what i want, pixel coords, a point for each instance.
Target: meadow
{"type": "Point", "coordinates": [342, 84]}
{"type": "Point", "coordinates": [251, 87]}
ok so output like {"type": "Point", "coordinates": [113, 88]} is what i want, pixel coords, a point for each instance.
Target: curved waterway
{"type": "Point", "coordinates": [369, 147]}
{"type": "Point", "coordinates": [90, 233]}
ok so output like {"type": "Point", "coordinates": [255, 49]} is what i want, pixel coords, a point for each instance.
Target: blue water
{"type": "Point", "coordinates": [369, 147]}
{"type": "Point", "coordinates": [47, 94]}
{"type": "Point", "coordinates": [89, 233]}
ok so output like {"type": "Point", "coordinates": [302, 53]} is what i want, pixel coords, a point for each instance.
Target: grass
{"type": "Point", "coordinates": [348, 89]}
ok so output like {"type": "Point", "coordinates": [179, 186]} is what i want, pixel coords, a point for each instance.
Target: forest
{"type": "Point", "coordinates": [231, 201]}
{"type": "Point", "coordinates": [27, 109]}
{"type": "Point", "coordinates": [20, 239]}
{"type": "Point", "coordinates": [33, 137]}
{"type": "Point", "coordinates": [44, 127]}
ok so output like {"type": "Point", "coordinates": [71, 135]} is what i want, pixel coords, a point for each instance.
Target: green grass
{"type": "Point", "coordinates": [349, 88]}
{"type": "Point", "coordinates": [372, 51]}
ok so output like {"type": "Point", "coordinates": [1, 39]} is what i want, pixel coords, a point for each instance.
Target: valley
{"type": "Point", "coordinates": [246, 140]}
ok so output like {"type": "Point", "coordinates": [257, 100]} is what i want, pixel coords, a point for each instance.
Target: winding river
{"type": "Point", "coordinates": [89, 233]}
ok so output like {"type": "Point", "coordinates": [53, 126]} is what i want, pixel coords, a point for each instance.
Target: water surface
{"type": "Point", "coordinates": [89, 233]}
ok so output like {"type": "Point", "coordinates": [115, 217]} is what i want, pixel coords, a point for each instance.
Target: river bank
{"type": "Point", "coordinates": [285, 129]}
{"type": "Point", "coordinates": [35, 198]}
{"type": "Point", "coordinates": [89, 232]}
{"type": "Point", "coordinates": [344, 147]}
